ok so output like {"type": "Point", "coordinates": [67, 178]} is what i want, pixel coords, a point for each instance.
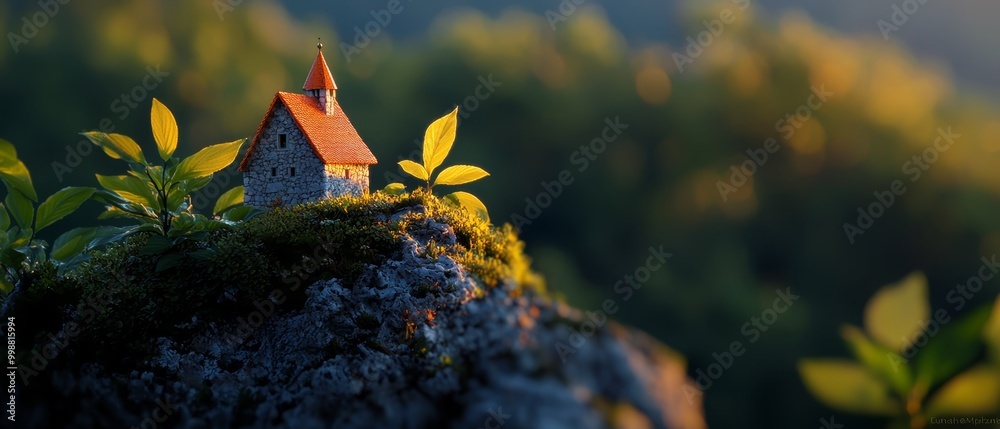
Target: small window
{"type": "Point", "coordinates": [282, 140]}
{"type": "Point", "coordinates": [274, 172]}
{"type": "Point", "coordinates": [291, 171]}
{"type": "Point", "coordinates": [347, 174]}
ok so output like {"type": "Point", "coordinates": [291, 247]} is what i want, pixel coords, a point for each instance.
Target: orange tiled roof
{"type": "Point", "coordinates": [333, 138]}
{"type": "Point", "coordinates": [319, 76]}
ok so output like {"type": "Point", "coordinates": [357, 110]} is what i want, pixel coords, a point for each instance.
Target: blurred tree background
{"type": "Point", "coordinates": [221, 61]}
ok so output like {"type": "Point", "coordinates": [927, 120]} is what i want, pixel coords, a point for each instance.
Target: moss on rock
{"type": "Point", "coordinates": [119, 300]}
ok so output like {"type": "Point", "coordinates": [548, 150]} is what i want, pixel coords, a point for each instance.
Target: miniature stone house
{"type": "Point", "coordinates": [305, 148]}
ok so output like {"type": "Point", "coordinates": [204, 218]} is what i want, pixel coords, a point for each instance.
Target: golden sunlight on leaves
{"type": "Point", "coordinates": [808, 139]}
{"type": "Point", "coordinates": [897, 311]}
{"type": "Point", "coordinates": [902, 96]}
{"type": "Point", "coordinates": [653, 85]}
{"type": "Point", "coordinates": [156, 47]}
{"type": "Point", "coordinates": [270, 24]}
{"type": "Point", "coordinates": [747, 73]}
{"type": "Point", "coordinates": [835, 63]}
{"type": "Point", "coordinates": [590, 33]}
{"type": "Point", "coordinates": [988, 140]}
{"type": "Point", "coordinates": [211, 43]}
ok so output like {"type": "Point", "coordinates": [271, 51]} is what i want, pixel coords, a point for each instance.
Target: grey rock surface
{"type": "Point", "coordinates": [414, 342]}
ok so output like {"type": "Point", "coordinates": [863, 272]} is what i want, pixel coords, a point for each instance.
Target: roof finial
{"type": "Point", "coordinates": [319, 44]}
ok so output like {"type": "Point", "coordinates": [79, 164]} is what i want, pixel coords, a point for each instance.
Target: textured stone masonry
{"type": "Point", "coordinates": [269, 176]}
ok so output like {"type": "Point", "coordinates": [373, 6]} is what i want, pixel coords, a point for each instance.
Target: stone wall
{"type": "Point", "coordinates": [344, 179]}
{"type": "Point", "coordinates": [312, 180]}
{"type": "Point", "coordinates": [309, 181]}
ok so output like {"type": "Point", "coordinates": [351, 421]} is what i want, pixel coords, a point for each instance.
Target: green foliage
{"type": "Point", "coordinates": [20, 251]}
{"type": "Point", "coordinates": [942, 378]}
{"type": "Point", "coordinates": [285, 249]}
{"type": "Point", "coordinates": [438, 140]}
{"type": "Point", "coordinates": [158, 197]}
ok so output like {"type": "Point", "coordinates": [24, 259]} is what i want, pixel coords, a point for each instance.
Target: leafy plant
{"type": "Point", "coordinates": [910, 364]}
{"type": "Point", "coordinates": [20, 251]}
{"type": "Point", "coordinates": [438, 140]}
{"type": "Point", "coordinates": [158, 197]}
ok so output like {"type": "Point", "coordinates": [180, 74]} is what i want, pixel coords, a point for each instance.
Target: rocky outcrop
{"type": "Point", "coordinates": [415, 341]}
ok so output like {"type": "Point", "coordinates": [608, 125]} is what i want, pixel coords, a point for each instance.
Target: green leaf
{"type": "Point", "coordinates": [951, 349]}
{"type": "Point", "coordinates": [880, 360]}
{"type": "Point", "coordinates": [395, 188]}
{"type": "Point", "coordinates": [438, 139]}
{"type": "Point", "coordinates": [155, 172]}
{"type": "Point", "coordinates": [847, 386]}
{"type": "Point", "coordinates": [16, 176]}
{"type": "Point", "coordinates": [111, 234]}
{"type": "Point", "coordinates": [231, 198]}
{"type": "Point", "coordinates": [4, 218]}
{"type": "Point", "coordinates": [203, 254]}
{"type": "Point", "coordinates": [194, 185]}
{"type": "Point", "coordinates": [120, 212]}
{"type": "Point", "coordinates": [470, 202]}
{"type": "Point", "coordinates": [61, 204]}
{"type": "Point", "coordinates": [8, 153]}
{"type": "Point", "coordinates": [18, 237]}
{"type": "Point", "coordinates": [72, 243]}
{"type": "Point", "coordinates": [156, 245]}
{"type": "Point", "coordinates": [240, 213]}
{"type": "Point", "coordinates": [897, 311]}
{"type": "Point", "coordinates": [460, 175]}
{"type": "Point", "coordinates": [976, 391]}
{"type": "Point", "coordinates": [414, 169]}
{"type": "Point", "coordinates": [207, 161]}
{"type": "Point", "coordinates": [12, 257]}
{"type": "Point", "coordinates": [179, 193]}
{"type": "Point", "coordinates": [164, 129]}
{"type": "Point", "coordinates": [117, 146]}
{"type": "Point", "coordinates": [169, 261]}
{"type": "Point", "coordinates": [21, 207]}
{"type": "Point", "coordinates": [131, 189]}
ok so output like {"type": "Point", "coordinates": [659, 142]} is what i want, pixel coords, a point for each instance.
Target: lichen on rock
{"type": "Point", "coordinates": [371, 311]}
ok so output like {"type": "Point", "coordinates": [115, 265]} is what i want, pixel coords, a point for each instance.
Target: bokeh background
{"type": "Point", "coordinates": [560, 78]}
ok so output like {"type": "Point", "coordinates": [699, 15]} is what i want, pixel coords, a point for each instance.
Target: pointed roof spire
{"type": "Point", "coordinates": [319, 75]}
